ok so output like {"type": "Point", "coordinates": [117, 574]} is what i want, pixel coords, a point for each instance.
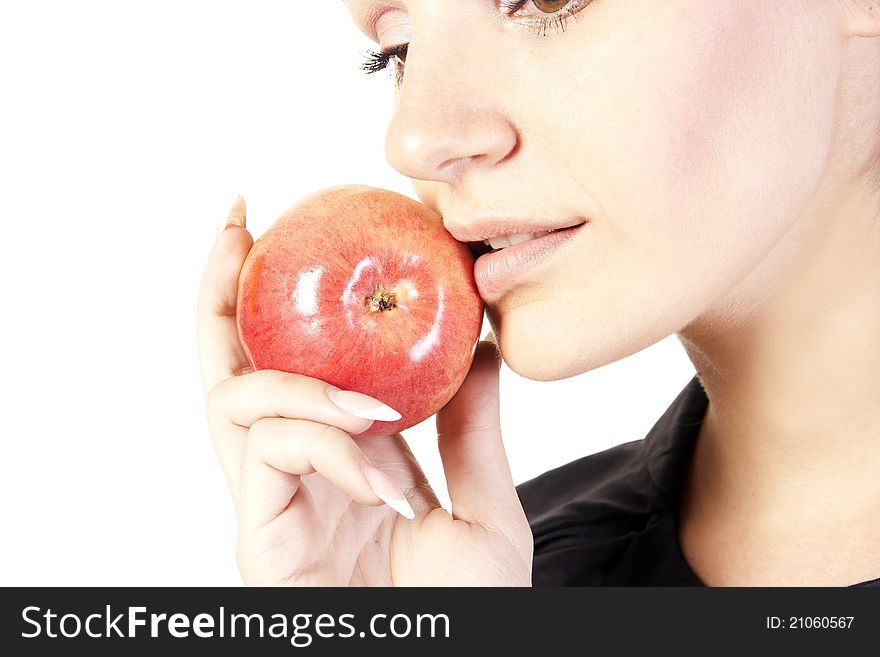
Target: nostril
{"type": "Point", "coordinates": [441, 138]}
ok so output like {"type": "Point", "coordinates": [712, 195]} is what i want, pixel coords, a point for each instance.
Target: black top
{"type": "Point", "coordinates": [611, 518]}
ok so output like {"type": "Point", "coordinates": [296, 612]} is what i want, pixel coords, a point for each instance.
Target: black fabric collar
{"type": "Point", "coordinates": [671, 442]}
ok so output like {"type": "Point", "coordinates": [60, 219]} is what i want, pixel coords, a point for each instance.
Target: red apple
{"type": "Point", "coordinates": [365, 289]}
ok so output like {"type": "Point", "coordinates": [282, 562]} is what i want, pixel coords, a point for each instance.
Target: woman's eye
{"type": "Point", "coordinates": [549, 6]}
{"type": "Point", "coordinates": [537, 15]}
{"type": "Point", "coordinates": [542, 15]}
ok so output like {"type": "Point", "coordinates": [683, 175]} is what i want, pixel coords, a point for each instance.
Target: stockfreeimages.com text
{"type": "Point", "coordinates": [300, 629]}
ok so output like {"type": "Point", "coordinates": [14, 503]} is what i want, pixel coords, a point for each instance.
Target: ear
{"type": "Point", "coordinates": [862, 17]}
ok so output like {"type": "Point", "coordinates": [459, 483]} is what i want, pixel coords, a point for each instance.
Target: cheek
{"type": "Point", "coordinates": [725, 135]}
{"type": "Point", "coordinates": [700, 155]}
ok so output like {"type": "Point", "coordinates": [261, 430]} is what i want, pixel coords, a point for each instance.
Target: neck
{"type": "Point", "coordinates": [791, 364]}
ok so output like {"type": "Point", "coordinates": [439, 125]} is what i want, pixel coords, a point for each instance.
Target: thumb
{"type": "Point", "coordinates": [469, 438]}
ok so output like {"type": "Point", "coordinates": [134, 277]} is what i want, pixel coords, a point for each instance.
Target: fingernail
{"type": "Point", "coordinates": [361, 405]}
{"type": "Point", "coordinates": [237, 216]}
{"type": "Point", "coordinates": [387, 491]}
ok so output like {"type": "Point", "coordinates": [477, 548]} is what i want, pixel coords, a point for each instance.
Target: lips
{"type": "Point", "coordinates": [500, 270]}
{"type": "Point", "coordinates": [506, 234]}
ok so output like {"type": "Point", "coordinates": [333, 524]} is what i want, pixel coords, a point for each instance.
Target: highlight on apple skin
{"type": "Point", "coordinates": [365, 289]}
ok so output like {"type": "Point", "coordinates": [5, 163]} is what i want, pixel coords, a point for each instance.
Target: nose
{"type": "Point", "coordinates": [446, 122]}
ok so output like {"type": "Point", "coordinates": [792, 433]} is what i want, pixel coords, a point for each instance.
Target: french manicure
{"type": "Point", "coordinates": [361, 405]}
{"type": "Point", "coordinates": [237, 216]}
{"type": "Point", "coordinates": [387, 491]}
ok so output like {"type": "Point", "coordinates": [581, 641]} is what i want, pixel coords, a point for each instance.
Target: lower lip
{"type": "Point", "coordinates": [495, 273]}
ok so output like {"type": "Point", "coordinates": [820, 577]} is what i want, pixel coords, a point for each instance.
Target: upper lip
{"type": "Point", "coordinates": [489, 228]}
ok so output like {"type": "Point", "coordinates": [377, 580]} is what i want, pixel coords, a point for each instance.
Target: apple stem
{"type": "Point", "coordinates": [381, 299]}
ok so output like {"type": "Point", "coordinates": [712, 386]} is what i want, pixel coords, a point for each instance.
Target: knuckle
{"type": "Point", "coordinates": [332, 435]}
{"type": "Point", "coordinates": [257, 433]}
{"type": "Point", "coordinates": [334, 441]}
{"type": "Point", "coordinates": [256, 442]}
{"type": "Point", "coordinates": [218, 399]}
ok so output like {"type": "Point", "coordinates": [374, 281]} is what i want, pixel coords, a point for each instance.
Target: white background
{"type": "Point", "coordinates": [126, 131]}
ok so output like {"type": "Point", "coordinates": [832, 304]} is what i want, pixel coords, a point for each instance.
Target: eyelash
{"type": "Point", "coordinates": [378, 61]}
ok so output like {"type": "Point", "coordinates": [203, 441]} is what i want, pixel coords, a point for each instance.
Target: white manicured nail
{"type": "Point", "coordinates": [237, 216]}
{"type": "Point", "coordinates": [387, 491]}
{"type": "Point", "coordinates": [361, 405]}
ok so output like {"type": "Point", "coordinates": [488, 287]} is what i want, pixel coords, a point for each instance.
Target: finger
{"type": "Point", "coordinates": [220, 352]}
{"type": "Point", "coordinates": [392, 454]}
{"type": "Point", "coordinates": [469, 433]}
{"type": "Point", "coordinates": [271, 393]}
{"type": "Point", "coordinates": [279, 451]}
{"type": "Point", "coordinates": [238, 402]}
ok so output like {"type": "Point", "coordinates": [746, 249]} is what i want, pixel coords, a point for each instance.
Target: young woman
{"type": "Point", "coordinates": [716, 166]}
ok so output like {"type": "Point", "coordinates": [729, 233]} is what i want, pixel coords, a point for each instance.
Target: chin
{"type": "Point", "coordinates": [538, 370]}
{"type": "Point", "coordinates": [534, 350]}
{"type": "Point", "coordinates": [554, 351]}
{"type": "Point", "coordinates": [539, 357]}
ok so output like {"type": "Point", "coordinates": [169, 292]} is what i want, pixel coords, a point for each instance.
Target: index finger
{"type": "Point", "coordinates": [220, 351]}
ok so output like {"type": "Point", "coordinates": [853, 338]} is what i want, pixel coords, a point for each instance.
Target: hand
{"type": "Point", "coordinates": [309, 496]}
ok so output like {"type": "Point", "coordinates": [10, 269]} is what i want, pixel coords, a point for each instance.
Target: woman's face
{"type": "Point", "coordinates": [689, 134]}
